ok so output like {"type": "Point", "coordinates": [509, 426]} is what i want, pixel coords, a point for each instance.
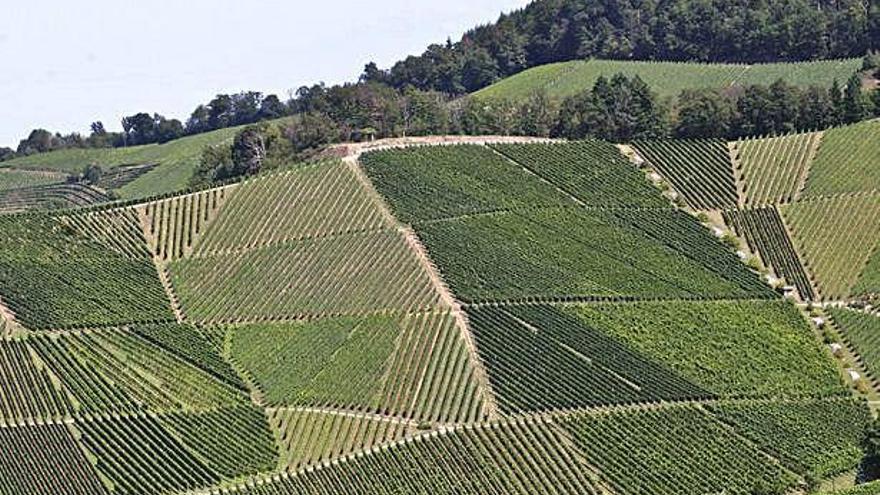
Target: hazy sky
{"type": "Point", "coordinates": [66, 64]}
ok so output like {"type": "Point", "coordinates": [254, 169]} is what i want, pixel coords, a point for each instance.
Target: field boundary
{"type": "Point", "coordinates": [440, 286]}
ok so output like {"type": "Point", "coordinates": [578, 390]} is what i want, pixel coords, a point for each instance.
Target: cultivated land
{"type": "Point", "coordinates": [487, 316]}
{"type": "Point", "coordinates": [668, 79]}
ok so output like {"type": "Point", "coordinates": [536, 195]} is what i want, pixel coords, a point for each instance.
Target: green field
{"type": "Point", "coordinates": [847, 162]}
{"type": "Point", "coordinates": [836, 237]}
{"type": "Point", "coordinates": [557, 253]}
{"type": "Point", "coordinates": [667, 79]}
{"type": "Point", "coordinates": [505, 319]}
{"type": "Point", "coordinates": [177, 160]}
{"type": "Point", "coordinates": [732, 349]}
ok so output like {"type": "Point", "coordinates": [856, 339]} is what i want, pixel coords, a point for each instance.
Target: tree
{"type": "Point", "coordinates": [213, 159]}
{"type": "Point", "coordinates": [167, 129]}
{"type": "Point", "coordinates": [870, 468]}
{"type": "Point", "coordinates": [38, 141]}
{"type": "Point", "coordinates": [6, 154]}
{"type": "Point", "coordinates": [312, 130]}
{"type": "Point", "coordinates": [199, 120]}
{"type": "Point", "coordinates": [272, 108]}
{"type": "Point", "coordinates": [92, 174]}
{"type": "Point", "coordinates": [618, 110]}
{"type": "Point", "coordinates": [248, 153]}
{"type": "Point", "coordinates": [854, 108]}
{"type": "Point", "coordinates": [705, 113]}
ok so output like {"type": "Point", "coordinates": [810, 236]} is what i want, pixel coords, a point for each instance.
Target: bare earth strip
{"type": "Point", "coordinates": [415, 244]}
{"type": "Point", "coordinates": [161, 269]}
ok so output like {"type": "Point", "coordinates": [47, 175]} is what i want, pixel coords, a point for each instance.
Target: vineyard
{"type": "Point", "coordinates": [862, 332]}
{"type": "Point", "coordinates": [429, 183]}
{"type": "Point", "coordinates": [668, 79]}
{"type": "Point", "coordinates": [458, 319]}
{"type": "Point", "coordinates": [764, 231]}
{"type": "Point", "coordinates": [584, 253]}
{"type": "Point", "coordinates": [19, 179]}
{"type": "Point", "coordinates": [774, 170]}
{"type": "Point", "coordinates": [847, 162]}
{"type": "Point", "coordinates": [593, 171]}
{"type": "Point", "coordinates": [50, 196]}
{"type": "Point", "coordinates": [836, 238]}
{"type": "Point", "coordinates": [700, 171]}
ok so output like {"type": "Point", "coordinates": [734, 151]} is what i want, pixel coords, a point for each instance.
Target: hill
{"type": "Point", "coordinates": [521, 315]}
{"type": "Point", "coordinates": [667, 79]}
{"type": "Point", "coordinates": [168, 167]}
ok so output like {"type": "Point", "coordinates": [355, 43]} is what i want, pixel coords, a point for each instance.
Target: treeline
{"type": "Point", "coordinates": [684, 30]}
{"type": "Point", "coordinates": [619, 109]}
{"type": "Point", "coordinates": [144, 128]}
{"type": "Point", "coordinates": [411, 97]}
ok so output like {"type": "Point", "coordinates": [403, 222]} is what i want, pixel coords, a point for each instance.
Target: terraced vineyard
{"type": "Point", "coordinates": [862, 331]}
{"type": "Point", "coordinates": [11, 179]}
{"type": "Point", "coordinates": [774, 170]}
{"type": "Point", "coordinates": [592, 171]}
{"type": "Point", "coordinates": [700, 171]}
{"type": "Point", "coordinates": [668, 79]}
{"type": "Point", "coordinates": [847, 162]}
{"type": "Point", "coordinates": [49, 196]}
{"type": "Point", "coordinates": [765, 232]}
{"type": "Point", "coordinates": [836, 237]}
{"type": "Point", "coordinates": [464, 319]}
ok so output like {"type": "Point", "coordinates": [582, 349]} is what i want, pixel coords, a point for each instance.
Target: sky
{"type": "Point", "coordinates": [65, 64]}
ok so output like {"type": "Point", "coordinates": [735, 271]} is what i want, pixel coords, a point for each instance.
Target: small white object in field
{"type": "Point", "coordinates": [742, 255]}
{"type": "Point", "coordinates": [819, 321]}
{"type": "Point", "coordinates": [718, 231]}
{"type": "Point", "coordinates": [673, 195]}
{"type": "Point", "coordinates": [836, 349]}
{"type": "Point", "coordinates": [654, 176]}
{"type": "Point", "coordinates": [854, 375]}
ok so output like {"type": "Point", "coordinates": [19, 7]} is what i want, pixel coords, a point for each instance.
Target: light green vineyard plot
{"type": "Point", "coordinates": [676, 449]}
{"type": "Point", "coordinates": [39, 460]}
{"type": "Point", "coordinates": [869, 281]}
{"type": "Point", "coordinates": [232, 442]}
{"type": "Point", "coordinates": [17, 179]}
{"type": "Point", "coordinates": [311, 437]}
{"type": "Point", "coordinates": [817, 437]}
{"type": "Point", "coordinates": [27, 391]}
{"type": "Point", "coordinates": [118, 230]}
{"type": "Point", "coordinates": [774, 170]}
{"type": "Point", "coordinates": [733, 349]}
{"type": "Point", "coordinates": [115, 370]}
{"type": "Point", "coordinates": [557, 253]}
{"type": "Point", "coordinates": [700, 170]}
{"type": "Point", "coordinates": [313, 201]}
{"type": "Point", "coordinates": [173, 225]}
{"type": "Point", "coordinates": [415, 367]}
{"type": "Point", "coordinates": [176, 162]}
{"type": "Point", "coordinates": [593, 171]}
{"type": "Point", "coordinates": [350, 274]}
{"type": "Point", "coordinates": [49, 197]}
{"type": "Point", "coordinates": [433, 182]}
{"type": "Point", "coordinates": [668, 79]}
{"type": "Point", "coordinates": [847, 162]}
{"type": "Point", "coordinates": [836, 238]}
{"type": "Point", "coordinates": [509, 458]}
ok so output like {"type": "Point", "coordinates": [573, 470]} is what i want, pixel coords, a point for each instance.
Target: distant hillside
{"type": "Point", "coordinates": [668, 79]}
{"type": "Point", "coordinates": [176, 162]}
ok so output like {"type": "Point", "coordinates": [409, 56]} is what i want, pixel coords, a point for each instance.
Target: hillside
{"type": "Point", "coordinates": [522, 316]}
{"type": "Point", "coordinates": [169, 166]}
{"type": "Point", "coordinates": [667, 79]}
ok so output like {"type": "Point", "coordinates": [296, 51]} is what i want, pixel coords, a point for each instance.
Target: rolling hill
{"type": "Point", "coordinates": [667, 79]}
{"type": "Point", "coordinates": [490, 315]}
